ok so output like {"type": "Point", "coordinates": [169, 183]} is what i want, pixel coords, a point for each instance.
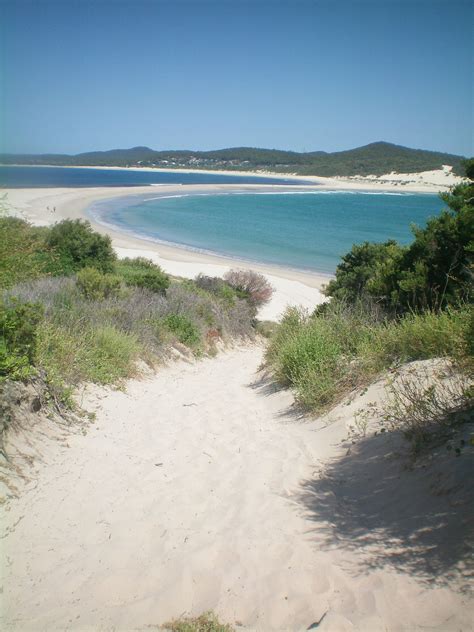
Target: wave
{"type": "Point", "coordinates": [329, 192]}
{"type": "Point", "coordinates": [165, 184]}
{"type": "Point", "coordinates": [167, 197]}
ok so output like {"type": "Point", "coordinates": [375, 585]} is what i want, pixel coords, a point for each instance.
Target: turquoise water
{"type": "Point", "coordinates": [302, 230]}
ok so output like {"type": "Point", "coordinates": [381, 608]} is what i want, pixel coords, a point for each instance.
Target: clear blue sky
{"type": "Point", "coordinates": [80, 75]}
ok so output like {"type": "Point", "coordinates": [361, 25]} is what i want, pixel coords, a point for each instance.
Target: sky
{"type": "Point", "coordinates": [301, 75]}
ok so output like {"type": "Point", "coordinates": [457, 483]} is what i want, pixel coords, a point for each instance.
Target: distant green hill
{"type": "Point", "coordinates": [374, 159]}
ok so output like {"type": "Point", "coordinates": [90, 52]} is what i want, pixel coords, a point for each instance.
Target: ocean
{"type": "Point", "coordinates": [301, 230]}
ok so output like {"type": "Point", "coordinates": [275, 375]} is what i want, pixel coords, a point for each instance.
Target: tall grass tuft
{"type": "Point", "coordinates": [324, 355]}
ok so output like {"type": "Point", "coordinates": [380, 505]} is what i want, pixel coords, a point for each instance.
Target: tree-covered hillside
{"type": "Point", "coordinates": [373, 159]}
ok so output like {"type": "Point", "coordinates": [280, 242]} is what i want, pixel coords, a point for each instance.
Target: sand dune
{"type": "Point", "coordinates": [201, 488]}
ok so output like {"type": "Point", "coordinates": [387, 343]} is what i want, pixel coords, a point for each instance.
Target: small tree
{"type": "Point", "coordinates": [366, 270]}
{"type": "Point", "coordinates": [79, 246]}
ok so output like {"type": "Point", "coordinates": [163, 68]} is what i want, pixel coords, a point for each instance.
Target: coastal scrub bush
{"type": "Point", "coordinates": [96, 286]}
{"type": "Point", "coordinates": [185, 331]}
{"type": "Point", "coordinates": [79, 246]}
{"type": "Point", "coordinates": [24, 253]}
{"type": "Point", "coordinates": [434, 271]}
{"type": "Point", "coordinates": [425, 335]}
{"type": "Point", "coordinates": [362, 271]}
{"type": "Point", "coordinates": [250, 285]}
{"type": "Point", "coordinates": [18, 338]}
{"type": "Point", "coordinates": [141, 272]}
{"type": "Point", "coordinates": [219, 288]}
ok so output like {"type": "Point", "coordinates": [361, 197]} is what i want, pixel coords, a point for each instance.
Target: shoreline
{"type": "Point", "coordinates": [46, 206]}
{"type": "Point", "coordinates": [435, 181]}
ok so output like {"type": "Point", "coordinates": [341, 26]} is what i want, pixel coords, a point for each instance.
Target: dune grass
{"type": "Point", "coordinates": [206, 622]}
{"type": "Point", "coordinates": [323, 356]}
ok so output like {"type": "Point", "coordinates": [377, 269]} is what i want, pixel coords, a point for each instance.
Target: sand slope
{"type": "Point", "coordinates": [200, 488]}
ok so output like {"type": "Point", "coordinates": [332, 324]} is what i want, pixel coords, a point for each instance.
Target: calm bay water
{"type": "Point", "coordinates": [297, 229]}
{"type": "Point", "coordinates": [26, 177]}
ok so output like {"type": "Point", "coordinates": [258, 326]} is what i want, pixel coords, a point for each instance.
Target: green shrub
{"type": "Point", "coordinates": [102, 354]}
{"type": "Point", "coordinates": [18, 338]}
{"type": "Point", "coordinates": [426, 335]}
{"type": "Point", "coordinates": [24, 253]}
{"type": "Point", "coordinates": [432, 273]}
{"type": "Point", "coordinates": [80, 247]}
{"type": "Point", "coordinates": [96, 286]}
{"type": "Point", "coordinates": [109, 355]}
{"type": "Point", "coordinates": [364, 271]}
{"type": "Point", "coordinates": [141, 272]}
{"type": "Point", "coordinates": [90, 332]}
{"type": "Point", "coordinates": [59, 353]}
{"type": "Point", "coordinates": [185, 331]}
{"type": "Point", "coordinates": [324, 356]}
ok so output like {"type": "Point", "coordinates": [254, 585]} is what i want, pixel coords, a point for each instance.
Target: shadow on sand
{"type": "Point", "coordinates": [267, 386]}
{"type": "Point", "coordinates": [415, 517]}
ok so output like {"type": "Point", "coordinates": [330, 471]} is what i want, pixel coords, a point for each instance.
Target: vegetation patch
{"type": "Point", "coordinates": [207, 622]}
{"type": "Point", "coordinates": [392, 305]}
{"type": "Point", "coordinates": [71, 310]}
{"type": "Point", "coordinates": [141, 272]}
{"type": "Point", "coordinates": [185, 331]}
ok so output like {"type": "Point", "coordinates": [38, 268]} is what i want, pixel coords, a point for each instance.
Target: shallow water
{"type": "Point", "coordinates": [303, 230]}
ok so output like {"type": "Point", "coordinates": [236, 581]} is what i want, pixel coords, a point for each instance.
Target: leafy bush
{"type": "Point", "coordinates": [185, 331]}
{"type": "Point", "coordinates": [80, 247]}
{"type": "Point", "coordinates": [359, 267]}
{"type": "Point", "coordinates": [435, 271]}
{"type": "Point", "coordinates": [250, 285]}
{"type": "Point", "coordinates": [95, 285]}
{"type": "Point", "coordinates": [18, 338]}
{"type": "Point", "coordinates": [24, 253]}
{"type": "Point", "coordinates": [141, 272]}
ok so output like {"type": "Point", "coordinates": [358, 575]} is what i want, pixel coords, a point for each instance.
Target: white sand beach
{"type": "Point", "coordinates": [202, 488]}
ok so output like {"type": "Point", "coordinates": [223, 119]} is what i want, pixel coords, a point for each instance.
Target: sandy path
{"type": "Point", "coordinates": [184, 496]}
